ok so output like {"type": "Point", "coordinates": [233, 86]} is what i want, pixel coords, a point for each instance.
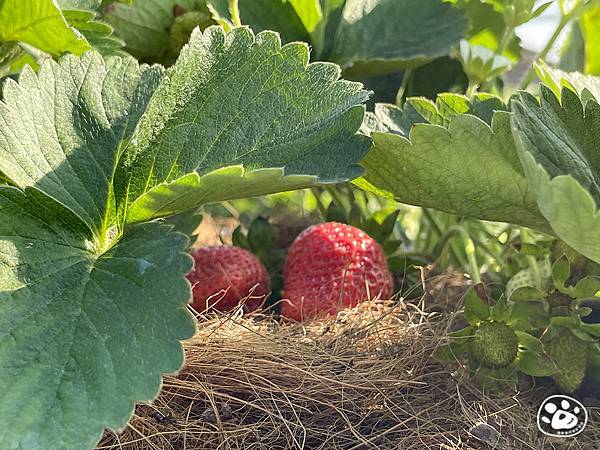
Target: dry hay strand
{"type": "Point", "coordinates": [363, 380]}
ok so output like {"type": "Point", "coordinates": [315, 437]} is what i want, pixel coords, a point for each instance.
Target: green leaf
{"type": "Point", "coordinates": [97, 33]}
{"type": "Point", "coordinates": [379, 36]}
{"type": "Point", "coordinates": [309, 11]}
{"type": "Point", "coordinates": [476, 310]}
{"type": "Point", "coordinates": [557, 145]}
{"type": "Point", "coordinates": [555, 79]}
{"type": "Point", "coordinates": [501, 310]}
{"type": "Point", "coordinates": [588, 287]}
{"type": "Point", "coordinates": [488, 28]}
{"type": "Point", "coordinates": [459, 164]}
{"type": "Point", "coordinates": [572, 52]}
{"type": "Point", "coordinates": [336, 213]}
{"type": "Point", "coordinates": [526, 316]}
{"type": "Point", "coordinates": [535, 364]}
{"type": "Point", "coordinates": [591, 328]}
{"type": "Point", "coordinates": [523, 285]}
{"type": "Point", "coordinates": [566, 321]}
{"type": "Point", "coordinates": [193, 190]}
{"type": "Point", "coordinates": [41, 24]}
{"type": "Point", "coordinates": [261, 235]}
{"type": "Point", "coordinates": [187, 223]}
{"type": "Point", "coordinates": [90, 5]}
{"type": "Point", "coordinates": [529, 342]}
{"type": "Point", "coordinates": [83, 335]}
{"type": "Point", "coordinates": [254, 104]}
{"type": "Point", "coordinates": [91, 310]}
{"type": "Point", "coordinates": [70, 151]}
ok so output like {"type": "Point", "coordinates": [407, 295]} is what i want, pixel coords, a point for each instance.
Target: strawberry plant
{"type": "Point", "coordinates": [92, 287]}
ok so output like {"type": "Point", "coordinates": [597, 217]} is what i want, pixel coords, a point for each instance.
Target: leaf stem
{"type": "Point", "coordinates": [505, 40]}
{"type": "Point", "coordinates": [402, 90]}
{"type": "Point", "coordinates": [235, 13]}
{"type": "Point", "coordinates": [470, 251]}
{"type": "Point", "coordinates": [320, 205]}
{"type": "Point", "coordinates": [564, 21]}
{"type": "Point", "coordinates": [472, 88]}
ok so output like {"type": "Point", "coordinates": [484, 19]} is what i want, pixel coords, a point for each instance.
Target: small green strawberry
{"type": "Point", "coordinates": [569, 354]}
{"type": "Point", "coordinates": [494, 344]}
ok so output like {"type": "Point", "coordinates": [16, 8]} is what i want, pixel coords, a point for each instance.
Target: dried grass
{"type": "Point", "coordinates": [363, 380]}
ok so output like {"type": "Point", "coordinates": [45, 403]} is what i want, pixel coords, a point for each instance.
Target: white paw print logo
{"type": "Point", "coordinates": [561, 416]}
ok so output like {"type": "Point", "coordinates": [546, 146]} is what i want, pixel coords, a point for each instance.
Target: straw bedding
{"type": "Point", "coordinates": [365, 379]}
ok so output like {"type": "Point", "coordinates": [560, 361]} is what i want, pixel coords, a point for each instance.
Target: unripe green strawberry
{"type": "Point", "coordinates": [494, 344]}
{"type": "Point", "coordinates": [569, 354]}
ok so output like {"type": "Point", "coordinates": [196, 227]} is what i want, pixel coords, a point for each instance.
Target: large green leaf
{"type": "Point", "coordinates": [253, 103]}
{"type": "Point", "coordinates": [61, 130]}
{"type": "Point", "coordinates": [456, 162]}
{"type": "Point", "coordinates": [92, 310]}
{"type": "Point", "coordinates": [378, 36]}
{"type": "Point", "coordinates": [41, 24]}
{"type": "Point", "coordinates": [82, 335]}
{"type": "Point", "coordinates": [558, 145]}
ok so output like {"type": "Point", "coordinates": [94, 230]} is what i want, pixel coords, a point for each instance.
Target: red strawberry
{"type": "Point", "coordinates": [225, 276]}
{"type": "Point", "coordinates": [329, 266]}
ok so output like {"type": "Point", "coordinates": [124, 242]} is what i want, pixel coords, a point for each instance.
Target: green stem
{"type": "Point", "coordinates": [335, 195]}
{"type": "Point", "coordinates": [472, 88]}
{"type": "Point", "coordinates": [445, 237]}
{"type": "Point", "coordinates": [564, 21]}
{"type": "Point", "coordinates": [470, 251]}
{"type": "Point", "coordinates": [235, 13]}
{"type": "Point", "coordinates": [402, 91]}
{"type": "Point", "coordinates": [320, 206]}
{"type": "Point", "coordinates": [506, 37]}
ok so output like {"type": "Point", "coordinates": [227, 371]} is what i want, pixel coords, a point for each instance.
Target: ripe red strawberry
{"type": "Point", "coordinates": [332, 266]}
{"type": "Point", "coordinates": [225, 276]}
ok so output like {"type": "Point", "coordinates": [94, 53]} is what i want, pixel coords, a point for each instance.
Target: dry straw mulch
{"type": "Point", "coordinates": [363, 380]}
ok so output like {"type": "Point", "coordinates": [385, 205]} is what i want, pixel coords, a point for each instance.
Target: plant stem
{"type": "Point", "coordinates": [470, 251]}
{"type": "Point", "coordinates": [472, 88]}
{"type": "Point", "coordinates": [320, 206]}
{"type": "Point", "coordinates": [235, 13]}
{"type": "Point", "coordinates": [564, 21]}
{"type": "Point", "coordinates": [506, 37]}
{"type": "Point", "coordinates": [402, 90]}
{"type": "Point", "coordinates": [336, 197]}
{"type": "Point", "coordinates": [444, 237]}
